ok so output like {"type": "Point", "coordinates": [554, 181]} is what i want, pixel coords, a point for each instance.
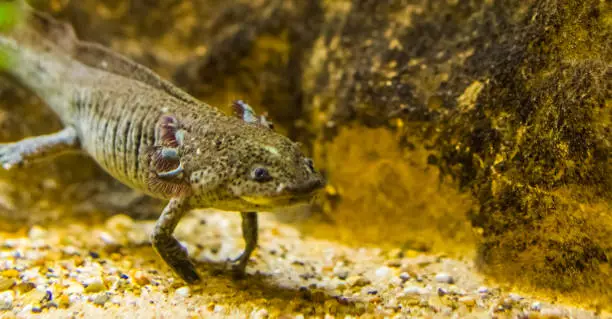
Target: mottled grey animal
{"type": "Point", "coordinates": [152, 136]}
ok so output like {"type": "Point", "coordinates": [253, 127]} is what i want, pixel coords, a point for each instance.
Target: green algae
{"type": "Point", "coordinates": [10, 14]}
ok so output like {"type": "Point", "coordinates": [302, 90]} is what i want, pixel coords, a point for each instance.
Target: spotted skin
{"type": "Point", "coordinates": [152, 136]}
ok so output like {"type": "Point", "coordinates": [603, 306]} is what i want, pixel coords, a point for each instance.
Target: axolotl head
{"type": "Point", "coordinates": [242, 164]}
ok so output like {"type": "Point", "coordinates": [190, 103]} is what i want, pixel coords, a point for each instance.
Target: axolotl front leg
{"type": "Point", "coordinates": [39, 147]}
{"type": "Point", "coordinates": [176, 256]}
{"type": "Point", "coordinates": [168, 248]}
{"type": "Point", "coordinates": [168, 169]}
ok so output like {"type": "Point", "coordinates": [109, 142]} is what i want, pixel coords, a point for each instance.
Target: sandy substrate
{"type": "Point", "coordinates": [107, 270]}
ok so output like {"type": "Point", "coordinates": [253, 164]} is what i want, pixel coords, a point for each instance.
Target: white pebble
{"type": "Point", "coordinates": [74, 289]}
{"type": "Point", "coordinates": [10, 243]}
{"type": "Point", "coordinates": [101, 299]}
{"type": "Point", "coordinates": [483, 290]}
{"type": "Point", "coordinates": [25, 311]}
{"type": "Point", "coordinates": [260, 314]}
{"type": "Point", "coordinates": [107, 238]}
{"type": "Point", "coordinates": [383, 272]}
{"type": "Point", "coordinates": [444, 278]}
{"type": "Point", "coordinates": [536, 306]}
{"type": "Point", "coordinates": [74, 298]}
{"type": "Point", "coordinates": [37, 232]}
{"type": "Point", "coordinates": [70, 251]}
{"type": "Point", "coordinates": [183, 291]}
{"type": "Point", "coordinates": [415, 290]}
{"type": "Point", "coordinates": [6, 300]}
{"type": "Point", "coordinates": [515, 297]}
{"type": "Point", "coordinates": [552, 313]}
{"type": "Point", "coordinates": [396, 281]}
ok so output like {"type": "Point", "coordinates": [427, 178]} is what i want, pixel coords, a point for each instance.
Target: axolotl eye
{"type": "Point", "coordinates": [261, 175]}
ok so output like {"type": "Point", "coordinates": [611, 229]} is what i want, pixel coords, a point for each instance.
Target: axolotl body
{"type": "Point", "coordinates": [152, 136]}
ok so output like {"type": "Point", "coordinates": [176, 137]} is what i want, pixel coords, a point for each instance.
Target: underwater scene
{"type": "Point", "coordinates": [305, 159]}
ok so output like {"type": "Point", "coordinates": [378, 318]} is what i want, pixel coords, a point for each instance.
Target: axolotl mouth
{"type": "Point", "coordinates": [287, 195]}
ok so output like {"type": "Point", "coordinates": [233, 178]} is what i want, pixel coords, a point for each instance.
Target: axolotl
{"type": "Point", "coordinates": [152, 136]}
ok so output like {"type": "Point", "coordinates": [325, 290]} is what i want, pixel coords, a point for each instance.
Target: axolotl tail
{"type": "Point", "coordinates": [31, 53]}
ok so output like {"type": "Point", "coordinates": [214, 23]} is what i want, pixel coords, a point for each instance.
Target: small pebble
{"type": "Point", "coordinates": [260, 314]}
{"type": "Point", "coordinates": [25, 310]}
{"type": "Point", "coordinates": [536, 306]}
{"type": "Point", "coordinates": [552, 313]}
{"type": "Point", "coordinates": [24, 287]}
{"type": "Point", "coordinates": [444, 278]}
{"type": "Point", "coordinates": [37, 232]}
{"type": "Point", "coordinates": [442, 292]}
{"type": "Point", "coordinates": [404, 276]}
{"type": "Point", "coordinates": [108, 239]}
{"type": "Point", "coordinates": [101, 298]}
{"type": "Point", "coordinates": [515, 297]}
{"type": "Point", "coordinates": [10, 273]}
{"type": "Point", "coordinates": [63, 301]}
{"type": "Point", "coordinates": [6, 283]}
{"type": "Point", "coordinates": [415, 290]}
{"type": "Point", "coordinates": [468, 301]}
{"type": "Point", "coordinates": [505, 303]}
{"type": "Point", "coordinates": [342, 274]}
{"type": "Point", "coordinates": [396, 281]}
{"type": "Point", "coordinates": [74, 289]}
{"type": "Point", "coordinates": [141, 278]}
{"type": "Point", "coordinates": [483, 290]}
{"type": "Point", "coordinates": [358, 281]}
{"type": "Point", "coordinates": [183, 291]}
{"type": "Point", "coordinates": [6, 300]}
{"type": "Point", "coordinates": [74, 298]}
{"type": "Point", "coordinates": [35, 298]}
{"type": "Point", "coordinates": [70, 251]}
{"type": "Point", "coordinates": [96, 285]}
{"type": "Point", "coordinates": [456, 291]}
{"type": "Point", "coordinates": [383, 272]}
{"type": "Point", "coordinates": [10, 243]}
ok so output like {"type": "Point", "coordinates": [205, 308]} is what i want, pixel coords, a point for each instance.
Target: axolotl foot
{"type": "Point", "coordinates": [10, 155]}
{"type": "Point", "coordinates": [249, 233]}
{"type": "Point", "coordinates": [38, 147]}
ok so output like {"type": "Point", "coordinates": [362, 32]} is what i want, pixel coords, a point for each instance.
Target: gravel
{"type": "Point", "coordinates": [82, 269]}
{"type": "Point", "coordinates": [444, 278]}
{"type": "Point", "coordinates": [183, 291]}
{"type": "Point", "coordinates": [6, 300]}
